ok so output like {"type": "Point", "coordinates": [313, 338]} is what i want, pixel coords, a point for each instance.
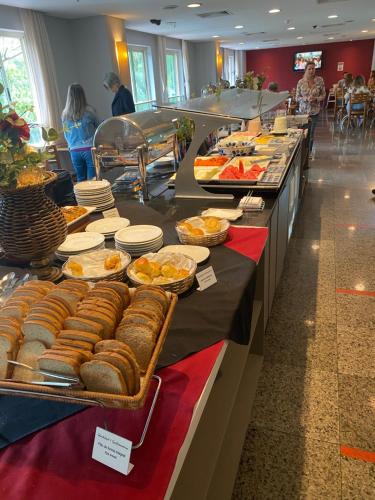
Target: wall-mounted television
{"type": "Point", "coordinates": [301, 58]}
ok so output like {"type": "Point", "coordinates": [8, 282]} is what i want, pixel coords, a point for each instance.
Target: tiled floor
{"type": "Point", "coordinates": [317, 388]}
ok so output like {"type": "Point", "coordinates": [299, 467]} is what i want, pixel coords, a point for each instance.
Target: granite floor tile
{"type": "Point", "coordinates": [355, 265]}
{"type": "Point", "coordinates": [356, 352]}
{"type": "Point", "coordinates": [301, 399]}
{"type": "Point", "coordinates": [355, 312]}
{"type": "Point", "coordinates": [357, 411]}
{"type": "Point", "coordinates": [277, 465]}
{"type": "Point", "coordinates": [302, 344]}
{"type": "Point", "coordinates": [358, 479]}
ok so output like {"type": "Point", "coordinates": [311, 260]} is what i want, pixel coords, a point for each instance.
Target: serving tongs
{"type": "Point", "coordinates": [66, 381]}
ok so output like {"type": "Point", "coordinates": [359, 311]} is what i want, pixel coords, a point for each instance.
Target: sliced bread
{"type": "Point", "coordinates": [123, 365]}
{"type": "Point", "coordinates": [28, 354]}
{"type": "Point", "coordinates": [85, 355]}
{"type": "Point", "coordinates": [140, 339]}
{"type": "Point", "coordinates": [40, 330]}
{"type": "Point", "coordinates": [107, 324]}
{"type": "Point", "coordinates": [92, 338]}
{"type": "Point", "coordinates": [83, 324]}
{"type": "Point", "coordinates": [60, 364]}
{"type": "Point", "coordinates": [100, 376]}
{"type": "Point", "coordinates": [78, 344]}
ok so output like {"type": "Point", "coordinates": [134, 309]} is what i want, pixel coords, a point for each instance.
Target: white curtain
{"type": "Point", "coordinates": [42, 67]}
{"type": "Point", "coordinates": [226, 66]}
{"type": "Point", "coordinates": [240, 63]}
{"type": "Point", "coordinates": [186, 68]}
{"type": "Point", "coordinates": [162, 68]}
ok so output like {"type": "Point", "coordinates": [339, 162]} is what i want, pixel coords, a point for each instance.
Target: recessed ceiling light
{"type": "Point", "coordinates": [194, 5]}
{"type": "Point", "coordinates": [373, 20]}
{"type": "Point", "coordinates": [239, 27]}
{"type": "Point", "coordinates": [215, 36]}
{"type": "Point", "coordinates": [331, 38]}
{"type": "Point", "coordinates": [333, 16]}
{"type": "Point", "coordinates": [364, 31]}
{"type": "Point", "coordinates": [242, 43]}
{"type": "Point", "coordinates": [274, 11]}
{"type": "Point", "coordinates": [291, 28]}
{"type": "Point", "coordinates": [299, 37]}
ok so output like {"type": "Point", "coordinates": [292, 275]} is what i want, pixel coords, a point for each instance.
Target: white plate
{"type": "Point", "coordinates": [139, 245]}
{"type": "Point", "coordinates": [139, 234]}
{"type": "Point", "coordinates": [199, 254]}
{"type": "Point", "coordinates": [91, 185]}
{"type": "Point", "coordinates": [108, 225]}
{"type": "Point", "coordinates": [79, 242]}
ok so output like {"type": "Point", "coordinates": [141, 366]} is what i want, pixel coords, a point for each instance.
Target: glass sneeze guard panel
{"type": "Point", "coordinates": [243, 104]}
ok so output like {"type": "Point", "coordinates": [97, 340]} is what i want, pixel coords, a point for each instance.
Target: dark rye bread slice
{"type": "Point", "coordinates": [60, 364]}
{"type": "Point", "coordinates": [152, 292]}
{"type": "Point", "coordinates": [122, 364]}
{"type": "Point", "coordinates": [108, 325]}
{"type": "Point", "coordinates": [85, 355]}
{"type": "Point", "coordinates": [100, 376]}
{"type": "Point", "coordinates": [84, 325]}
{"type": "Point", "coordinates": [121, 288]}
{"type": "Point", "coordinates": [79, 344]}
{"type": "Point", "coordinates": [92, 338]}
{"type": "Point", "coordinates": [141, 340]}
{"type": "Point", "coordinates": [39, 330]}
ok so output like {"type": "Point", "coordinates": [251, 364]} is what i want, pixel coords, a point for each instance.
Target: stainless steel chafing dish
{"type": "Point", "coordinates": [134, 140]}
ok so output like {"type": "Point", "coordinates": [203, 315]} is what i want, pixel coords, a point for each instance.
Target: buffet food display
{"type": "Point", "coordinates": [80, 342]}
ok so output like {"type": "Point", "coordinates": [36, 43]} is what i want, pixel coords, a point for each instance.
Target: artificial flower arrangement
{"type": "Point", "coordinates": [251, 81]}
{"type": "Point", "coordinates": [18, 160]}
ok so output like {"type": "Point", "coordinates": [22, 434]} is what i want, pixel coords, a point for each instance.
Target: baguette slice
{"type": "Point", "coordinates": [92, 338]}
{"type": "Point", "coordinates": [62, 365]}
{"type": "Point", "coordinates": [99, 376]}
{"type": "Point", "coordinates": [83, 324]}
{"type": "Point", "coordinates": [40, 330]}
{"type": "Point", "coordinates": [28, 354]}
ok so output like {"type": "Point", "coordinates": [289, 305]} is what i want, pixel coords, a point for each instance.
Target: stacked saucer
{"type": "Point", "coordinates": [107, 226]}
{"type": "Point", "coordinates": [96, 194]}
{"type": "Point", "coordinates": [138, 240]}
{"type": "Point", "coordinates": [78, 243]}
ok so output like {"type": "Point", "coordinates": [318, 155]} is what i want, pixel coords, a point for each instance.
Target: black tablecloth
{"type": "Point", "coordinates": [201, 319]}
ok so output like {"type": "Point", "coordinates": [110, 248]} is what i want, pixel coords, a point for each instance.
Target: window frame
{"type": "Point", "coordinates": [148, 71]}
{"type": "Point", "coordinates": [177, 53]}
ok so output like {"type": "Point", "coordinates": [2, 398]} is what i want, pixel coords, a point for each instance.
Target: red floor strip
{"type": "Point", "coordinates": [366, 456]}
{"type": "Point", "coordinates": [355, 292]}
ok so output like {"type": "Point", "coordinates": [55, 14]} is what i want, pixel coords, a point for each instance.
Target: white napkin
{"type": "Point", "coordinates": [251, 203]}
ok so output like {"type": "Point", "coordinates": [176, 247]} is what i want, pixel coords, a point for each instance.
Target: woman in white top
{"type": "Point", "coordinates": [358, 87]}
{"type": "Point", "coordinates": [309, 94]}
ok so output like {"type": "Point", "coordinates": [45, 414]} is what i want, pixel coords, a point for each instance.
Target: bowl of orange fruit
{"type": "Point", "coordinates": [202, 231]}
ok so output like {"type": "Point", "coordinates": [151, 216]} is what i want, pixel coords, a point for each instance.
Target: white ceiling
{"type": "Point", "coordinates": [184, 23]}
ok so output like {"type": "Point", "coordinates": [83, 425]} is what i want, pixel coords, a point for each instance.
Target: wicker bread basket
{"type": "Point", "coordinates": [207, 240]}
{"type": "Point", "coordinates": [97, 398]}
{"type": "Point", "coordinates": [177, 287]}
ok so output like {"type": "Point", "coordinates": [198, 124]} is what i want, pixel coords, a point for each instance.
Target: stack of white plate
{"type": "Point", "coordinates": [108, 226]}
{"type": "Point", "coordinates": [78, 243]}
{"type": "Point", "coordinates": [96, 194]}
{"type": "Point", "coordinates": [138, 240]}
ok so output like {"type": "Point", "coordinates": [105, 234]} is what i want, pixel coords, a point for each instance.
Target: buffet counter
{"type": "Point", "coordinates": [196, 435]}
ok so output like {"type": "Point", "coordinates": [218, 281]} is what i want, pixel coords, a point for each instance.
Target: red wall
{"type": "Point", "coordinates": [278, 63]}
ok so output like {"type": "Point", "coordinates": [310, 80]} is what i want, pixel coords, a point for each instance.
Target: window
{"type": "Point", "coordinates": [231, 70]}
{"type": "Point", "coordinates": [141, 75]}
{"type": "Point", "coordinates": [175, 85]}
{"type": "Point", "coordinates": [15, 77]}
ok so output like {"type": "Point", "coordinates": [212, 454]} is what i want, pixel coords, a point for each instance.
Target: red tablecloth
{"type": "Point", "coordinates": [56, 462]}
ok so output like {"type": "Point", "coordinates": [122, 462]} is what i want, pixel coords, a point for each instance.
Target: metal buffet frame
{"type": "Point", "coordinates": [95, 402]}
